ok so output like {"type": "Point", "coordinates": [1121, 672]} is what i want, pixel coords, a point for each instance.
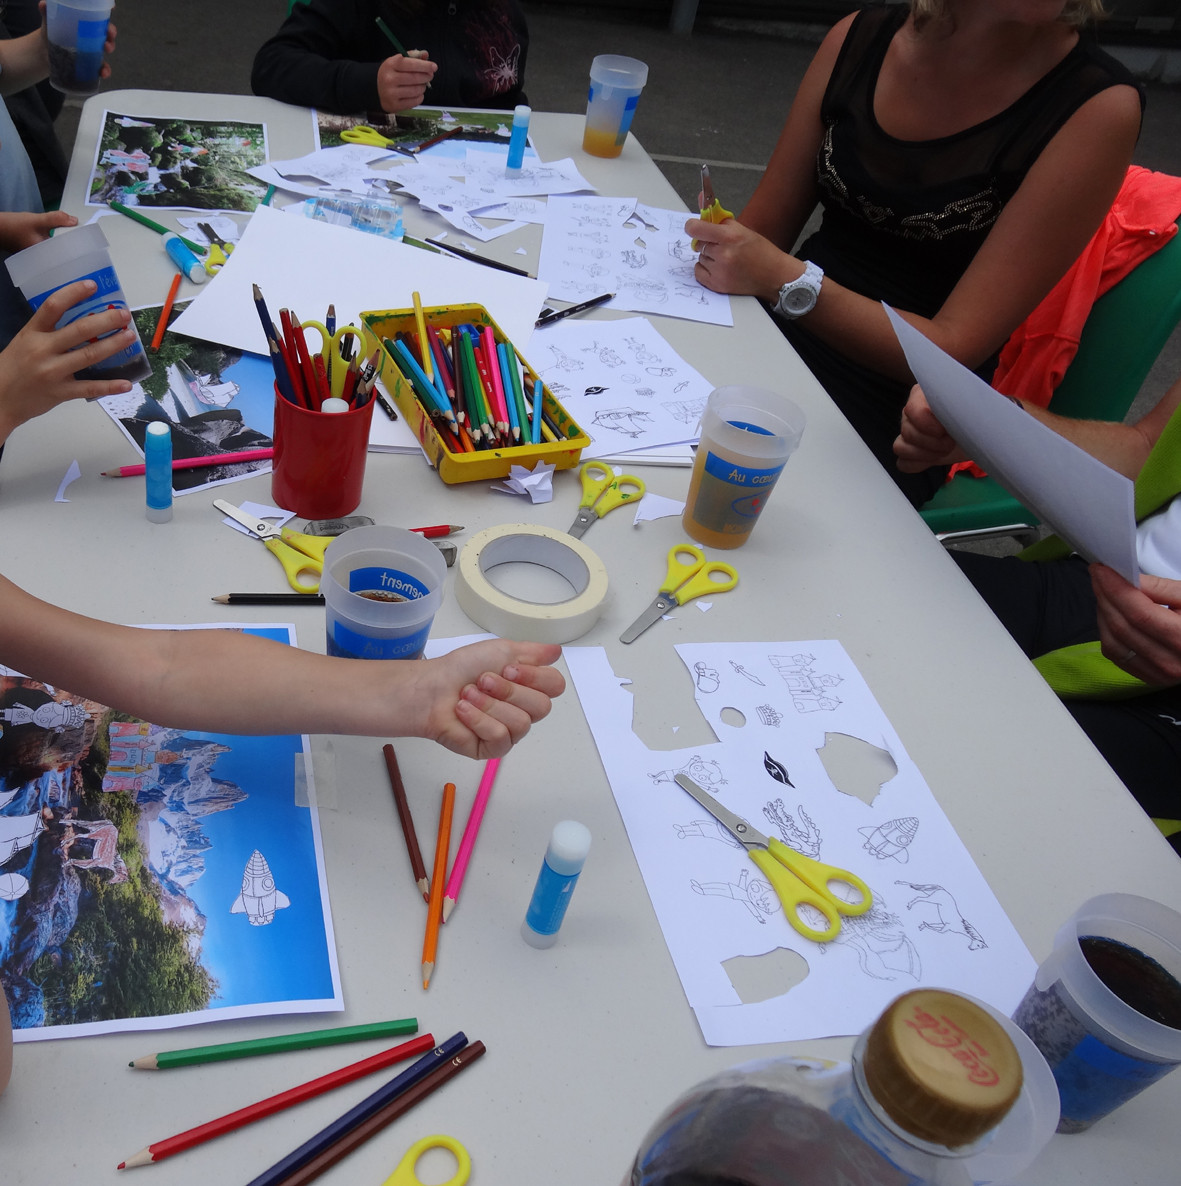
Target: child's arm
{"type": "Point", "coordinates": [478, 701]}
{"type": "Point", "coordinates": [37, 367]}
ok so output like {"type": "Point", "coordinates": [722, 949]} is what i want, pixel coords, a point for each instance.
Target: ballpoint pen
{"type": "Point", "coordinates": [552, 315]}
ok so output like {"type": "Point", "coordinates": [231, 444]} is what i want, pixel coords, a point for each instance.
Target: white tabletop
{"type": "Point", "coordinates": [590, 1040]}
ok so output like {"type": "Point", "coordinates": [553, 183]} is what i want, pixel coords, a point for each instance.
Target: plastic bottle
{"type": "Point", "coordinates": [568, 847]}
{"type": "Point", "coordinates": [928, 1100]}
{"type": "Point", "coordinates": [158, 471]}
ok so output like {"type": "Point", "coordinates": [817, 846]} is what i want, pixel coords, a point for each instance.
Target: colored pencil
{"type": "Point", "coordinates": [158, 1150]}
{"type": "Point", "coordinates": [438, 529]}
{"type": "Point", "coordinates": [320, 369]}
{"type": "Point", "coordinates": [390, 36]}
{"type": "Point", "coordinates": [266, 201]}
{"type": "Point", "coordinates": [291, 356]}
{"type": "Point", "coordinates": [552, 315]}
{"type": "Point", "coordinates": [468, 840]}
{"type": "Point", "coordinates": [510, 399]}
{"type": "Point", "coordinates": [538, 404]}
{"type": "Point", "coordinates": [279, 1044]}
{"type": "Point", "coordinates": [311, 386]}
{"type": "Point", "coordinates": [417, 867]}
{"type": "Point", "coordinates": [165, 312]}
{"type": "Point", "coordinates": [434, 916]}
{"type": "Point", "coordinates": [369, 1106]}
{"type": "Point", "coordinates": [429, 395]}
{"type": "Point", "coordinates": [488, 341]}
{"type": "Point", "coordinates": [478, 259]}
{"type": "Point", "coordinates": [431, 141]}
{"type": "Point", "coordinates": [424, 344]}
{"type": "Point", "coordinates": [269, 598]}
{"type": "Point", "coordinates": [143, 220]}
{"type": "Point", "coordinates": [134, 471]}
{"type": "Point", "coordinates": [368, 1129]}
{"type": "Point", "coordinates": [514, 375]}
{"type": "Point", "coordinates": [385, 405]}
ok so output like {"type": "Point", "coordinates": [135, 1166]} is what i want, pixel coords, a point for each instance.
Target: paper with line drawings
{"type": "Point", "coordinates": [780, 710]}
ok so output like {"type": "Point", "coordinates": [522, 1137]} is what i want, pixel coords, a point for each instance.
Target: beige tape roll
{"type": "Point", "coordinates": [531, 621]}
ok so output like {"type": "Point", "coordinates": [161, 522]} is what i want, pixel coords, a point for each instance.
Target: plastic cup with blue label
{"type": "Point", "coordinates": [79, 254]}
{"type": "Point", "coordinates": [77, 32]}
{"type": "Point", "coordinates": [615, 86]}
{"type": "Point", "coordinates": [382, 587]}
{"type": "Point", "coordinates": [747, 435]}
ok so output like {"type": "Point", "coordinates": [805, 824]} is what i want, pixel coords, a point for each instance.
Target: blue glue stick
{"type": "Point", "coordinates": [158, 473]}
{"type": "Point", "coordinates": [516, 144]}
{"type": "Point", "coordinates": [184, 259]}
{"type": "Point", "coordinates": [568, 846]}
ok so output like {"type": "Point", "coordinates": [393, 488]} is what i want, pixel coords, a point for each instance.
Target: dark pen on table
{"type": "Point", "coordinates": [549, 316]}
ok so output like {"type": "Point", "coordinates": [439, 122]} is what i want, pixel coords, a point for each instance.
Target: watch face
{"type": "Point", "coordinates": [799, 300]}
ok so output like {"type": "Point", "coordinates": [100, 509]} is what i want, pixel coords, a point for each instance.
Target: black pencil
{"type": "Point", "coordinates": [479, 259]}
{"type": "Point", "coordinates": [269, 598]}
{"type": "Point", "coordinates": [552, 315]}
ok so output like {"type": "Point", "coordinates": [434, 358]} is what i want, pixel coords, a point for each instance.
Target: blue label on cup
{"type": "Point", "coordinates": [758, 480]}
{"type": "Point", "coordinates": [396, 584]}
{"type": "Point", "coordinates": [347, 643]}
{"type": "Point", "coordinates": [107, 295]}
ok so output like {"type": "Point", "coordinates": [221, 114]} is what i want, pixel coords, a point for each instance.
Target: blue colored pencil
{"type": "Point", "coordinates": [357, 1115]}
{"type": "Point", "coordinates": [538, 402]}
{"type": "Point", "coordinates": [428, 393]}
{"type": "Point", "coordinates": [510, 400]}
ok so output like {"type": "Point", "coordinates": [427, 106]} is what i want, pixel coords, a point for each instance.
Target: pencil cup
{"type": "Point", "coordinates": [81, 254]}
{"type": "Point", "coordinates": [615, 86]}
{"type": "Point", "coordinates": [77, 31]}
{"type": "Point", "coordinates": [747, 435]}
{"type": "Point", "coordinates": [382, 587]}
{"type": "Point", "coordinates": [1105, 1006]}
{"type": "Point", "coordinates": [319, 464]}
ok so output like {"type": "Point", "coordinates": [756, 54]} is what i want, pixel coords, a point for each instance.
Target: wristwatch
{"type": "Point", "coordinates": [799, 296]}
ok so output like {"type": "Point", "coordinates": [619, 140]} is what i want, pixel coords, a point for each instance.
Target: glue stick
{"type": "Point", "coordinates": [184, 259]}
{"type": "Point", "coordinates": [568, 845]}
{"type": "Point", "coordinates": [516, 144]}
{"type": "Point", "coordinates": [158, 471]}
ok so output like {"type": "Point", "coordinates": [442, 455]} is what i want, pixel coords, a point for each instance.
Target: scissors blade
{"type": "Point", "coordinates": [259, 527]}
{"type": "Point", "coordinates": [747, 836]}
{"type": "Point", "coordinates": [707, 189]}
{"type": "Point", "coordinates": [659, 607]}
{"type": "Point", "coordinates": [586, 516]}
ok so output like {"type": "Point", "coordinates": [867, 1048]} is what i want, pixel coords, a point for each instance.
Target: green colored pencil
{"type": "Point", "coordinates": [276, 1045]}
{"type": "Point", "coordinates": [390, 36]}
{"type": "Point", "coordinates": [151, 224]}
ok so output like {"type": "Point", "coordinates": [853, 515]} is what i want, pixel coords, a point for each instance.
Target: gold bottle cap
{"type": "Point", "coordinates": [941, 1067]}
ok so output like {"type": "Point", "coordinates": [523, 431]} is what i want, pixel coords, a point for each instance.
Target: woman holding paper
{"type": "Point", "coordinates": [1111, 650]}
{"type": "Point", "coordinates": [940, 140]}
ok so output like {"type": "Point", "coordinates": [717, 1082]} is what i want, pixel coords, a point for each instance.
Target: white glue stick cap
{"type": "Point", "coordinates": [333, 404]}
{"type": "Point", "coordinates": [568, 847]}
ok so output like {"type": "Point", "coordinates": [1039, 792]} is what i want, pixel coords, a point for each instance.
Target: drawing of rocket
{"type": "Point", "coordinates": [259, 898]}
{"type": "Point", "coordinates": [891, 839]}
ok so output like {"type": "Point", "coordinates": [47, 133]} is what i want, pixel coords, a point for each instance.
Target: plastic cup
{"type": "Point", "coordinates": [319, 464]}
{"type": "Point", "coordinates": [79, 254]}
{"type": "Point", "coordinates": [1105, 1006]}
{"type": "Point", "coordinates": [747, 435]}
{"type": "Point", "coordinates": [615, 86]}
{"type": "Point", "coordinates": [77, 31]}
{"type": "Point", "coordinates": [382, 587]}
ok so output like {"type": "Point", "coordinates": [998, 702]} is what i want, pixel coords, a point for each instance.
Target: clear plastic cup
{"type": "Point", "coordinates": [1105, 1006]}
{"type": "Point", "coordinates": [382, 587]}
{"type": "Point", "coordinates": [77, 31]}
{"type": "Point", "coordinates": [615, 86]}
{"type": "Point", "coordinates": [79, 254]}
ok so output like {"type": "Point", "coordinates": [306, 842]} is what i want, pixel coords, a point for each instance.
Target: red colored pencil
{"type": "Point", "coordinates": [311, 388]}
{"type": "Point", "coordinates": [291, 356]}
{"type": "Point", "coordinates": [439, 529]}
{"type": "Point", "coordinates": [158, 1150]}
{"type": "Point", "coordinates": [162, 324]}
{"type": "Point", "coordinates": [321, 371]}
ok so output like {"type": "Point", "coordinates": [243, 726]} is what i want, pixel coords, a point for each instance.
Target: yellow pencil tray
{"type": "Point", "coordinates": [484, 463]}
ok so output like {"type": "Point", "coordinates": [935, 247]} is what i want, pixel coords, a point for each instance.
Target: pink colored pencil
{"type": "Point", "coordinates": [488, 340]}
{"type": "Point", "coordinates": [470, 832]}
{"type": "Point", "coordinates": [132, 471]}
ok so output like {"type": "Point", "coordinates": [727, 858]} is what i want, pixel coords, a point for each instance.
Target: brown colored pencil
{"type": "Point", "coordinates": [417, 865]}
{"type": "Point", "coordinates": [434, 914]}
{"type": "Point", "coordinates": [379, 1120]}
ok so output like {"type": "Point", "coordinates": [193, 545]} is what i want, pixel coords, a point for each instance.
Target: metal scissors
{"type": "Point", "coordinates": [219, 249]}
{"type": "Point", "coordinates": [302, 556]}
{"type": "Point", "coordinates": [332, 351]}
{"type": "Point", "coordinates": [796, 879]}
{"type": "Point", "coordinates": [602, 492]}
{"type": "Point", "coordinates": [407, 1172]}
{"type": "Point", "coordinates": [364, 134]}
{"type": "Point", "coordinates": [711, 209]}
{"type": "Point", "coordinates": [682, 583]}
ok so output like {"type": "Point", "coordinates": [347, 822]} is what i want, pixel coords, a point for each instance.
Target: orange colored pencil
{"type": "Point", "coordinates": [434, 914]}
{"type": "Point", "coordinates": [165, 312]}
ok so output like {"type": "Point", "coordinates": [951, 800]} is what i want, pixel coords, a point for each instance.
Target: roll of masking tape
{"type": "Point", "coordinates": [531, 621]}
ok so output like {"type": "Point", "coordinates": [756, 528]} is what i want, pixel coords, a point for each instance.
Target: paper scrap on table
{"type": "Point", "coordinates": [625, 386]}
{"type": "Point", "coordinates": [656, 506]}
{"type": "Point", "coordinates": [643, 256]}
{"type": "Point", "coordinates": [518, 209]}
{"type": "Point", "coordinates": [537, 482]}
{"type": "Point", "coordinates": [222, 225]}
{"type": "Point", "coordinates": [1090, 505]}
{"type": "Point", "coordinates": [346, 168]}
{"type": "Point", "coordinates": [304, 265]}
{"type": "Point", "coordinates": [484, 174]}
{"type": "Point", "coordinates": [72, 474]}
{"type": "Point", "coordinates": [934, 920]}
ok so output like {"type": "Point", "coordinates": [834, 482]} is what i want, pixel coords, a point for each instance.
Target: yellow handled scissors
{"type": "Point", "coordinates": [796, 879]}
{"type": "Point", "coordinates": [302, 556]}
{"type": "Point", "coordinates": [332, 350]}
{"type": "Point", "coordinates": [219, 249]}
{"type": "Point", "coordinates": [682, 583]}
{"type": "Point", "coordinates": [407, 1172]}
{"type": "Point", "coordinates": [602, 492]}
{"type": "Point", "coordinates": [364, 134]}
{"type": "Point", "coordinates": [711, 209]}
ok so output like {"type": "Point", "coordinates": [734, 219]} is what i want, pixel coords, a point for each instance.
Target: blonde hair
{"type": "Point", "coordinates": [1075, 12]}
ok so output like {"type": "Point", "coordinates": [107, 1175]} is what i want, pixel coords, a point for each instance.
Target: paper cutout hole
{"type": "Point", "coordinates": [665, 712]}
{"type": "Point", "coordinates": [733, 717]}
{"type": "Point", "coordinates": [759, 978]}
{"type": "Point", "coordinates": [856, 767]}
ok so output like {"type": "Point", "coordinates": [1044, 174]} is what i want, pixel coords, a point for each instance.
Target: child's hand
{"type": "Point", "coordinates": [21, 230]}
{"type": "Point", "coordinates": [480, 700]}
{"type": "Point", "coordinates": [402, 80]}
{"type": "Point", "coordinates": [37, 367]}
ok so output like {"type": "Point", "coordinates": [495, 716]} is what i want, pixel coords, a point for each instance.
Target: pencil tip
{"type": "Point", "coordinates": [427, 971]}
{"type": "Point", "coordinates": [448, 906]}
{"type": "Point", "coordinates": [224, 598]}
{"type": "Point", "coordinates": [121, 1166]}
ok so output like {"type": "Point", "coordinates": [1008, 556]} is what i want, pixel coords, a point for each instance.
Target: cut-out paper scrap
{"type": "Point", "coordinates": [537, 482]}
{"type": "Point", "coordinates": [72, 474]}
{"type": "Point", "coordinates": [656, 506]}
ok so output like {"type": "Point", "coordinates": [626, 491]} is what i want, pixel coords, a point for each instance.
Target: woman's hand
{"type": "Point", "coordinates": [734, 259]}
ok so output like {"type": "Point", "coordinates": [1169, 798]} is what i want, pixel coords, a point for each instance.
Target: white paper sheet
{"type": "Point", "coordinates": [305, 265]}
{"type": "Point", "coordinates": [622, 382]}
{"type": "Point", "coordinates": [1088, 504]}
{"type": "Point", "coordinates": [934, 920]}
{"type": "Point", "coordinates": [344, 168]}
